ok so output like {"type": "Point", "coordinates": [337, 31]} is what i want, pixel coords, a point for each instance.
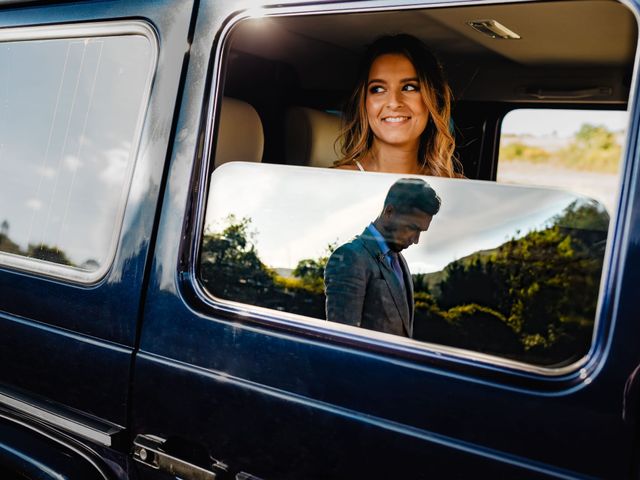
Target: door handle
{"type": "Point", "coordinates": [246, 476]}
{"type": "Point", "coordinates": [148, 450]}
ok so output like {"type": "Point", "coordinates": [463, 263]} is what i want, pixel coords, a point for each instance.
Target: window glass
{"type": "Point", "coordinates": [505, 270]}
{"type": "Point", "coordinates": [70, 115]}
{"type": "Point", "coordinates": [580, 150]}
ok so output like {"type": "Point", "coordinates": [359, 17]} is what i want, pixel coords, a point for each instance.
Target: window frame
{"type": "Point", "coordinates": [116, 28]}
{"type": "Point", "coordinates": [513, 373]}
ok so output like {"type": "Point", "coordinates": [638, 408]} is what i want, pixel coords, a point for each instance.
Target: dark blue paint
{"type": "Point", "coordinates": [109, 309]}
{"type": "Point", "coordinates": [285, 402]}
{"type": "Point", "coordinates": [90, 371]}
{"type": "Point", "coordinates": [70, 347]}
{"type": "Point", "coordinates": [76, 371]}
{"type": "Point", "coordinates": [41, 456]}
{"type": "Point", "coordinates": [276, 400]}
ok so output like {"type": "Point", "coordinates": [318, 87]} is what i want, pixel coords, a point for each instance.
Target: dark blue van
{"type": "Point", "coordinates": [167, 214]}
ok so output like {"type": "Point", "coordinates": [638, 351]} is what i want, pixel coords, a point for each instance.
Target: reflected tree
{"type": "Point", "coordinates": [532, 299]}
{"type": "Point", "coordinates": [542, 287]}
{"type": "Point", "coordinates": [48, 254]}
{"type": "Point", "coordinates": [310, 271]}
{"type": "Point", "coordinates": [6, 245]}
{"type": "Point", "coordinates": [41, 251]}
{"type": "Point", "coordinates": [230, 266]}
{"type": "Point", "coordinates": [231, 269]}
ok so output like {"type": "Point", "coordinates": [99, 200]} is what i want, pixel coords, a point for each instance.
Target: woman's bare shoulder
{"type": "Point", "coordinates": [348, 166]}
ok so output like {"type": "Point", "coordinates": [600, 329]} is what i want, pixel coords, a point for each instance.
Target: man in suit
{"type": "Point", "coordinates": [367, 280]}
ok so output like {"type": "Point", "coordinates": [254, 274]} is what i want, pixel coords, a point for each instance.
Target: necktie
{"type": "Point", "coordinates": [395, 265]}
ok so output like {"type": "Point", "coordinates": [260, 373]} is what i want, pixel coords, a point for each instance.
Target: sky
{"type": "Point", "coordinates": [69, 111]}
{"type": "Point", "coordinates": [564, 123]}
{"type": "Point", "coordinates": [297, 211]}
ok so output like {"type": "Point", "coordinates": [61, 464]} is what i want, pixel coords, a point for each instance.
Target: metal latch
{"type": "Point", "coordinates": [148, 449]}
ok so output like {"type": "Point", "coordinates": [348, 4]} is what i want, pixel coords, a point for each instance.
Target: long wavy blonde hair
{"type": "Point", "coordinates": [435, 152]}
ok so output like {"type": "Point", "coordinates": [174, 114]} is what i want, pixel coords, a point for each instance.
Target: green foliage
{"type": "Point", "coordinates": [230, 266]}
{"type": "Point", "coordinates": [231, 269]}
{"type": "Point", "coordinates": [532, 299]}
{"type": "Point", "coordinates": [8, 246]}
{"type": "Point", "coordinates": [310, 271]}
{"type": "Point", "coordinates": [540, 289]}
{"type": "Point", "coordinates": [593, 148]}
{"type": "Point", "coordinates": [521, 151]}
{"type": "Point", "coordinates": [586, 215]}
{"type": "Point", "coordinates": [49, 254]}
{"type": "Point", "coordinates": [41, 252]}
{"type": "Point", "coordinates": [424, 300]}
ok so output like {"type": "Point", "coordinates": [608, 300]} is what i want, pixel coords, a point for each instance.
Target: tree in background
{"type": "Point", "coordinates": [543, 287]}
{"type": "Point", "coordinates": [310, 271]}
{"type": "Point", "coordinates": [49, 254]}
{"type": "Point", "coordinates": [229, 264]}
{"type": "Point", "coordinates": [230, 268]}
{"type": "Point", "coordinates": [6, 244]}
{"type": "Point", "coordinates": [594, 148]}
{"type": "Point", "coordinates": [531, 299]}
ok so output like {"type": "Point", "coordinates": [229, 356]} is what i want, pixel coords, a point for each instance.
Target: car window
{"type": "Point", "coordinates": [504, 270]}
{"type": "Point", "coordinates": [579, 150]}
{"type": "Point", "coordinates": [70, 117]}
{"type": "Point", "coordinates": [510, 269]}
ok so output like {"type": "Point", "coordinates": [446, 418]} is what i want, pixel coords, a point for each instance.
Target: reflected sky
{"type": "Point", "coordinates": [298, 211]}
{"type": "Point", "coordinates": [562, 123]}
{"type": "Point", "coordinates": [69, 111]}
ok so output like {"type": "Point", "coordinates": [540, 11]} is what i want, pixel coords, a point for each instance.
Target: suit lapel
{"type": "Point", "coordinates": [397, 292]}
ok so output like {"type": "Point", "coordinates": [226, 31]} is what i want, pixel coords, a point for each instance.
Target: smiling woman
{"type": "Point", "coordinates": [397, 119]}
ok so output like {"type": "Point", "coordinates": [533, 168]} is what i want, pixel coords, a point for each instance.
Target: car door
{"type": "Point", "coordinates": [88, 95]}
{"type": "Point", "coordinates": [237, 384]}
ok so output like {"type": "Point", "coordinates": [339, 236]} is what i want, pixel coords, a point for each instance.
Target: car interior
{"type": "Point", "coordinates": [285, 78]}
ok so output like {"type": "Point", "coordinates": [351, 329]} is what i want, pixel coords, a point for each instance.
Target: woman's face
{"type": "Point", "coordinates": [396, 111]}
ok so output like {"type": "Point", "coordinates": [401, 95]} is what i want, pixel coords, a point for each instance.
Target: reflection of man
{"type": "Point", "coordinates": [367, 280]}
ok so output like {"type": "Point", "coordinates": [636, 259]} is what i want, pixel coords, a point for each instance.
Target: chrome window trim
{"type": "Point", "coordinates": [89, 30]}
{"type": "Point", "coordinates": [577, 374]}
{"type": "Point", "coordinates": [102, 437]}
{"type": "Point", "coordinates": [59, 441]}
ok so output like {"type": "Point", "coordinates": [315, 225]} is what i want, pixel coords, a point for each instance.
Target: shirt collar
{"type": "Point", "coordinates": [384, 248]}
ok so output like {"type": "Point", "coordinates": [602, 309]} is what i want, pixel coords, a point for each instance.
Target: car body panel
{"type": "Point", "coordinates": [146, 351]}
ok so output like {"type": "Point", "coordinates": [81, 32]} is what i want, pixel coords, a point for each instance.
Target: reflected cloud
{"type": "Point", "coordinates": [117, 160]}
{"type": "Point", "coordinates": [72, 163]}
{"type": "Point", "coordinates": [75, 107]}
{"type": "Point", "coordinates": [296, 212]}
{"type": "Point", "coordinates": [46, 172]}
{"type": "Point", "coordinates": [314, 240]}
{"type": "Point", "coordinates": [34, 204]}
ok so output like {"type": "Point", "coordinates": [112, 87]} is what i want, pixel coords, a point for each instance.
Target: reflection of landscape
{"type": "Point", "coordinates": [587, 162]}
{"type": "Point", "coordinates": [533, 298]}
{"type": "Point", "coordinates": [71, 110]}
{"type": "Point", "coordinates": [40, 251]}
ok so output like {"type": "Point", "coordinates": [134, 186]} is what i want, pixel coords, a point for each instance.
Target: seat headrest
{"type": "Point", "coordinates": [240, 135]}
{"type": "Point", "coordinates": [311, 137]}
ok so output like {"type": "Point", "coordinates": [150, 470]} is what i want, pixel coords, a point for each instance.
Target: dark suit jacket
{"type": "Point", "coordinates": [363, 290]}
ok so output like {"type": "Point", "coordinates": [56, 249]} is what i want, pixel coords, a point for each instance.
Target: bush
{"type": "Point", "coordinates": [520, 151]}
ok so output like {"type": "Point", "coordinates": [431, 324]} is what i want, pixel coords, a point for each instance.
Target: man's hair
{"type": "Point", "coordinates": [409, 193]}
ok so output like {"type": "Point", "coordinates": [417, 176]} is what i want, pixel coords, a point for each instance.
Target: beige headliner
{"type": "Point", "coordinates": [573, 42]}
